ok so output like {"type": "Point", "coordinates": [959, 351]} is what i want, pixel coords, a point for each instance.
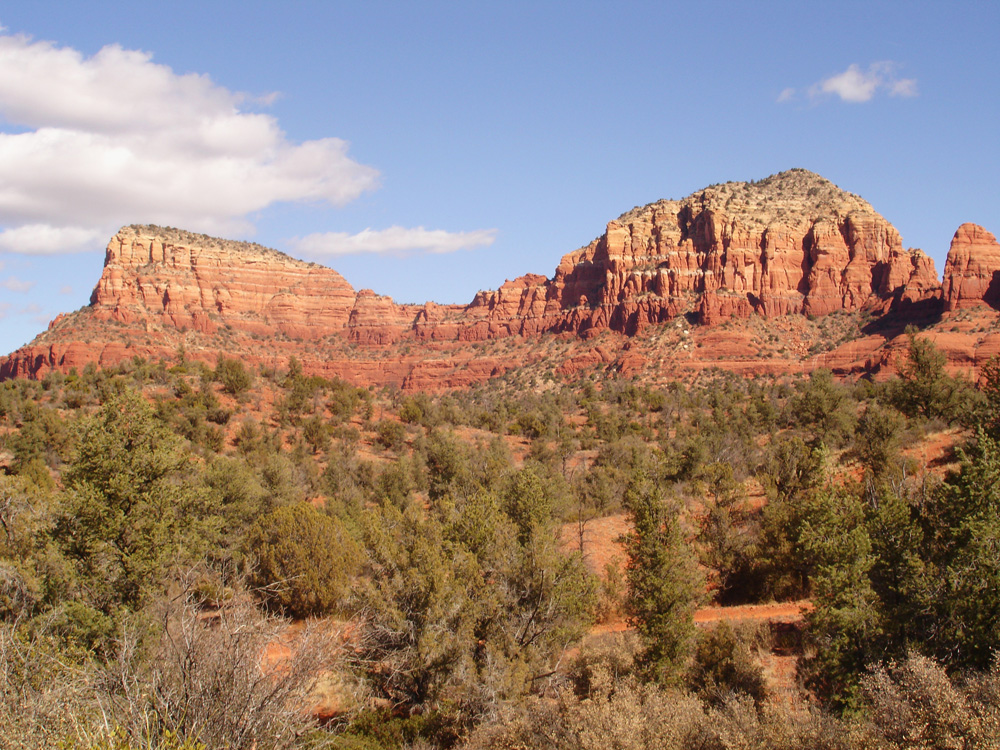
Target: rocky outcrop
{"type": "Point", "coordinates": [167, 277]}
{"type": "Point", "coordinates": [790, 245]}
{"type": "Point", "coordinates": [972, 271]}
{"type": "Point", "coordinates": [909, 278]}
{"type": "Point", "coordinates": [190, 281]}
{"type": "Point", "coordinates": [793, 243]}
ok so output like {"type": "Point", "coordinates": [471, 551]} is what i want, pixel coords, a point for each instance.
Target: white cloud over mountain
{"type": "Point", "coordinates": [14, 284]}
{"type": "Point", "coordinates": [393, 241]}
{"type": "Point", "coordinates": [858, 85]}
{"type": "Point", "coordinates": [91, 143]}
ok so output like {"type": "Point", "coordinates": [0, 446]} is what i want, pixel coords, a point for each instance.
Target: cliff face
{"type": "Point", "coordinates": [791, 245]}
{"type": "Point", "coordinates": [972, 271]}
{"type": "Point", "coordinates": [184, 280]}
{"type": "Point", "coordinates": [168, 277]}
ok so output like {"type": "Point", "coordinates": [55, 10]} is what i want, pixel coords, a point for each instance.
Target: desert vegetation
{"type": "Point", "coordinates": [196, 557]}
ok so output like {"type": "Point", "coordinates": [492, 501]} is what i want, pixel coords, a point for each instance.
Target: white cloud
{"type": "Point", "coordinates": [45, 239]}
{"type": "Point", "coordinates": [852, 85]}
{"type": "Point", "coordinates": [786, 95]}
{"type": "Point", "coordinates": [393, 241]}
{"type": "Point", "coordinates": [14, 284]}
{"type": "Point", "coordinates": [67, 289]}
{"type": "Point", "coordinates": [32, 310]}
{"type": "Point", "coordinates": [857, 85]}
{"type": "Point", "coordinates": [117, 139]}
{"type": "Point", "coordinates": [903, 87]}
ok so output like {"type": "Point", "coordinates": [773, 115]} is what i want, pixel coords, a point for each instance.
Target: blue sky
{"type": "Point", "coordinates": [428, 150]}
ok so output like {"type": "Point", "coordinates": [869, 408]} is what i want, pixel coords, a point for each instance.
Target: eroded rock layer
{"type": "Point", "coordinates": [192, 281]}
{"type": "Point", "coordinates": [972, 271]}
{"type": "Point", "coordinates": [792, 244]}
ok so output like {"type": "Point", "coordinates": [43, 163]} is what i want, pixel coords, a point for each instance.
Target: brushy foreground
{"type": "Point", "coordinates": [198, 559]}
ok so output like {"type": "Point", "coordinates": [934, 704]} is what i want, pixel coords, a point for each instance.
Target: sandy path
{"type": "Point", "coordinates": [788, 612]}
{"type": "Point", "coordinates": [777, 611]}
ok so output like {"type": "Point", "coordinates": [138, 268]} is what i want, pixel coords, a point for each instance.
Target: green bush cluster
{"type": "Point", "coordinates": [435, 525]}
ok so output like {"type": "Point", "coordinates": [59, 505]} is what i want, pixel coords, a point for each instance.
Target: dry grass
{"type": "Point", "coordinates": [200, 680]}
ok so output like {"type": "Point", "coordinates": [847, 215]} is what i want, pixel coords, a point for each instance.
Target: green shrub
{"type": "Point", "coordinates": [235, 378]}
{"type": "Point", "coordinates": [305, 560]}
{"type": "Point", "coordinates": [317, 434]}
{"type": "Point", "coordinates": [391, 434]}
{"type": "Point", "coordinates": [725, 664]}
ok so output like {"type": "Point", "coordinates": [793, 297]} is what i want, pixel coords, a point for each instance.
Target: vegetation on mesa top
{"type": "Point", "coordinates": [141, 500]}
{"type": "Point", "coordinates": [183, 237]}
{"type": "Point", "coordinates": [795, 194]}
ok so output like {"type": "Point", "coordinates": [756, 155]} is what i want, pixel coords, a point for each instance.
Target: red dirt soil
{"type": "Point", "coordinates": [783, 612]}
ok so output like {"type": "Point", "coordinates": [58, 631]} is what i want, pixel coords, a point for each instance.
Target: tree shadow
{"type": "Point", "coordinates": [903, 313]}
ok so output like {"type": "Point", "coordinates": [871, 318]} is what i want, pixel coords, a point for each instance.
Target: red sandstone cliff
{"type": "Point", "coordinates": [972, 271]}
{"type": "Point", "coordinates": [793, 243]}
{"type": "Point", "coordinates": [184, 280]}
{"type": "Point", "coordinates": [788, 245]}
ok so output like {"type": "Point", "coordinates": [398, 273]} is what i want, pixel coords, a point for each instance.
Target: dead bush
{"type": "Point", "coordinates": [604, 665]}
{"type": "Point", "coordinates": [915, 704]}
{"type": "Point", "coordinates": [633, 718]}
{"type": "Point", "coordinates": [649, 717]}
{"type": "Point", "coordinates": [43, 696]}
{"type": "Point", "coordinates": [237, 679]}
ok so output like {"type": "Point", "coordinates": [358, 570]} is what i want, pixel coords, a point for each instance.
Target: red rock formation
{"type": "Point", "coordinates": [909, 277]}
{"type": "Point", "coordinates": [791, 244]}
{"type": "Point", "coordinates": [186, 280]}
{"type": "Point", "coordinates": [972, 271]}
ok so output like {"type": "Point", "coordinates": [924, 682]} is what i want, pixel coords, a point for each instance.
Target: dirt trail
{"type": "Point", "coordinates": [786, 612]}
{"type": "Point", "coordinates": [776, 611]}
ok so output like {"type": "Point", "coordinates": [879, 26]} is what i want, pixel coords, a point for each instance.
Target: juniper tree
{"type": "Point", "coordinates": [126, 509]}
{"type": "Point", "coordinates": [664, 583]}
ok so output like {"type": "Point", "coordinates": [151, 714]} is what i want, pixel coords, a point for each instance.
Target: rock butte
{"type": "Point", "coordinates": [782, 250]}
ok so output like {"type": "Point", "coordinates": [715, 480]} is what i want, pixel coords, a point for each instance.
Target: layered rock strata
{"type": "Point", "coordinates": [792, 244]}
{"type": "Point", "coordinates": [972, 271]}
